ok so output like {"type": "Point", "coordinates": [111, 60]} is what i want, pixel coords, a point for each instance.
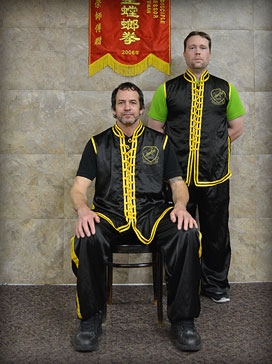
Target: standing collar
{"type": "Point", "coordinates": [119, 132]}
{"type": "Point", "coordinates": [190, 77]}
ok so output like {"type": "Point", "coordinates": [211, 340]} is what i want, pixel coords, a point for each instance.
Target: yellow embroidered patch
{"type": "Point", "coordinates": [150, 154]}
{"type": "Point", "coordinates": [218, 96]}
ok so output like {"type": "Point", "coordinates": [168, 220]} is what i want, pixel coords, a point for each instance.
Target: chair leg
{"type": "Point", "coordinates": [110, 272]}
{"type": "Point", "coordinates": [106, 293]}
{"type": "Point", "coordinates": [155, 276]}
{"type": "Point", "coordinates": [160, 285]}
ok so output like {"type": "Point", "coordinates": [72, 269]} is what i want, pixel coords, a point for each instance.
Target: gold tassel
{"type": "Point", "coordinates": [129, 70]}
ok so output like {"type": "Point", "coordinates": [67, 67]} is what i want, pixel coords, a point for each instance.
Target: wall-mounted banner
{"type": "Point", "coordinates": [129, 35]}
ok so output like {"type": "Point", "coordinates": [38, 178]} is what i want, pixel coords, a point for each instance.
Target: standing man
{"type": "Point", "coordinates": [203, 115]}
{"type": "Point", "coordinates": [130, 163]}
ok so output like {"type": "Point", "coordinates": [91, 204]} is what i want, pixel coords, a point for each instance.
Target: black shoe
{"type": "Point", "coordinates": [217, 297]}
{"type": "Point", "coordinates": [185, 336]}
{"type": "Point", "coordinates": [89, 331]}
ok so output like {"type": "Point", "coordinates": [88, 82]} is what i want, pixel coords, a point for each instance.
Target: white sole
{"type": "Point", "coordinates": [221, 300]}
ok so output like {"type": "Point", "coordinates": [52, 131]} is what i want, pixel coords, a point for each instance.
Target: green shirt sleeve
{"type": "Point", "coordinates": [235, 107]}
{"type": "Point", "coordinates": [158, 109]}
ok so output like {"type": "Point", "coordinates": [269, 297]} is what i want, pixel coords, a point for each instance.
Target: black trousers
{"type": "Point", "coordinates": [213, 211]}
{"type": "Point", "coordinates": [182, 268]}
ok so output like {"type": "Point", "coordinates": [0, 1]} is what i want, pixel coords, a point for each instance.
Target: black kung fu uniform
{"type": "Point", "coordinates": [197, 126]}
{"type": "Point", "coordinates": [129, 200]}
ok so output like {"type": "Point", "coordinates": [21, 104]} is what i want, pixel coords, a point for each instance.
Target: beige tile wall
{"type": "Point", "coordinates": [49, 108]}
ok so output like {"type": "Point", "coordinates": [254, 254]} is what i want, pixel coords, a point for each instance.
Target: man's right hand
{"type": "Point", "coordinates": [86, 222]}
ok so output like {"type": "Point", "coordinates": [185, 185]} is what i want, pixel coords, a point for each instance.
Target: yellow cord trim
{"type": "Point", "coordinates": [76, 261]}
{"type": "Point", "coordinates": [129, 70]}
{"type": "Point", "coordinates": [195, 119]}
{"type": "Point", "coordinates": [73, 254]}
{"type": "Point", "coordinates": [200, 245]}
{"type": "Point", "coordinates": [78, 307]}
{"type": "Point", "coordinates": [165, 142]}
{"type": "Point", "coordinates": [120, 228]}
{"type": "Point", "coordinates": [128, 170]}
{"type": "Point", "coordinates": [164, 89]}
{"type": "Point", "coordinates": [94, 146]}
{"type": "Point", "coordinates": [229, 90]}
{"type": "Point", "coordinates": [153, 231]}
{"type": "Point", "coordinates": [223, 179]}
{"type": "Point", "coordinates": [195, 131]}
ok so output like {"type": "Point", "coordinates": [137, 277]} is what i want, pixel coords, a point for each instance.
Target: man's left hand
{"type": "Point", "coordinates": [180, 215]}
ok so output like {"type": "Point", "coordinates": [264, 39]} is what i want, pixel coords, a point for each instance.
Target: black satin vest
{"type": "Point", "coordinates": [129, 180]}
{"type": "Point", "coordinates": [197, 126]}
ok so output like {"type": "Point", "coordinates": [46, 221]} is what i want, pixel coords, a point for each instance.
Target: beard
{"type": "Point", "coordinates": [127, 121]}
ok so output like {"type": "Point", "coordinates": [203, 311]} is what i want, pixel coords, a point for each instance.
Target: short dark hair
{"type": "Point", "coordinates": [127, 86]}
{"type": "Point", "coordinates": [201, 34]}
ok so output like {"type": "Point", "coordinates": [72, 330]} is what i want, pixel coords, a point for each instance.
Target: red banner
{"type": "Point", "coordinates": [129, 35]}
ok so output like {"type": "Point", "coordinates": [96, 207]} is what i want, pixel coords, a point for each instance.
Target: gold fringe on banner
{"type": "Point", "coordinates": [129, 70]}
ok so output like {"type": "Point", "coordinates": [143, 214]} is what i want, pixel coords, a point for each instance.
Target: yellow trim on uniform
{"type": "Point", "coordinates": [223, 179]}
{"type": "Point", "coordinates": [76, 261]}
{"type": "Point", "coordinates": [120, 228]}
{"type": "Point", "coordinates": [94, 146]}
{"type": "Point", "coordinates": [78, 307]}
{"type": "Point", "coordinates": [229, 90]}
{"type": "Point", "coordinates": [128, 158]}
{"type": "Point", "coordinates": [200, 245]}
{"type": "Point", "coordinates": [164, 89]}
{"type": "Point", "coordinates": [195, 131]}
{"type": "Point", "coordinates": [154, 228]}
{"type": "Point", "coordinates": [73, 254]}
{"type": "Point", "coordinates": [165, 142]}
{"type": "Point", "coordinates": [123, 228]}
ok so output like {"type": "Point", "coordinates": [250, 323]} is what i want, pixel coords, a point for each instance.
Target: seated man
{"type": "Point", "coordinates": [130, 163]}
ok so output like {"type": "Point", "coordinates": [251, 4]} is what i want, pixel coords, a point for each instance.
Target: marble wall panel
{"type": "Point", "coordinates": [140, 275]}
{"type": "Point", "coordinates": [263, 60]}
{"type": "Point", "coordinates": [243, 245]}
{"type": "Point", "coordinates": [263, 134]}
{"type": "Point", "coordinates": [181, 14]}
{"type": "Point", "coordinates": [233, 57]}
{"type": "Point", "coordinates": [76, 14]}
{"type": "Point", "coordinates": [245, 144]}
{"type": "Point", "coordinates": [31, 251]}
{"type": "Point", "coordinates": [262, 14]}
{"type": "Point", "coordinates": [32, 122]}
{"type": "Point", "coordinates": [32, 58]}
{"type": "Point", "coordinates": [33, 13]}
{"type": "Point", "coordinates": [243, 186]}
{"type": "Point", "coordinates": [31, 186]}
{"type": "Point", "coordinates": [87, 114]}
{"type": "Point", "coordinates": [263, 249]}
{"type": "Point", "coordinates": [178, 65]}
{"type": "Point", "coordinates": [221, 14]}
{"type": "Point", "coordinates": [264, 186]}
{"type": "Point", "coordinates": [48, 13]}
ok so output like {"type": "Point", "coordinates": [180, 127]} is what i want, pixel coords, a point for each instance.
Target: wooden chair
{"type": "Point", "coordinates": [157, 267]}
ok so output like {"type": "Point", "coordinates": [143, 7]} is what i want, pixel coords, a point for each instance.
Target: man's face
{"type": "Point", "coordinates": [197, 53]}
{"type": "Point", "coordinates": [127, 108]}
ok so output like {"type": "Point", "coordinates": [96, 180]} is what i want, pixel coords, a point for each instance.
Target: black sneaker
{"type": "Point", "coordinates": [220, 299]}
{"type": "Point", "coordinates": [87, 337]}
{"type": "Point", "coordinates": [185, 336]}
